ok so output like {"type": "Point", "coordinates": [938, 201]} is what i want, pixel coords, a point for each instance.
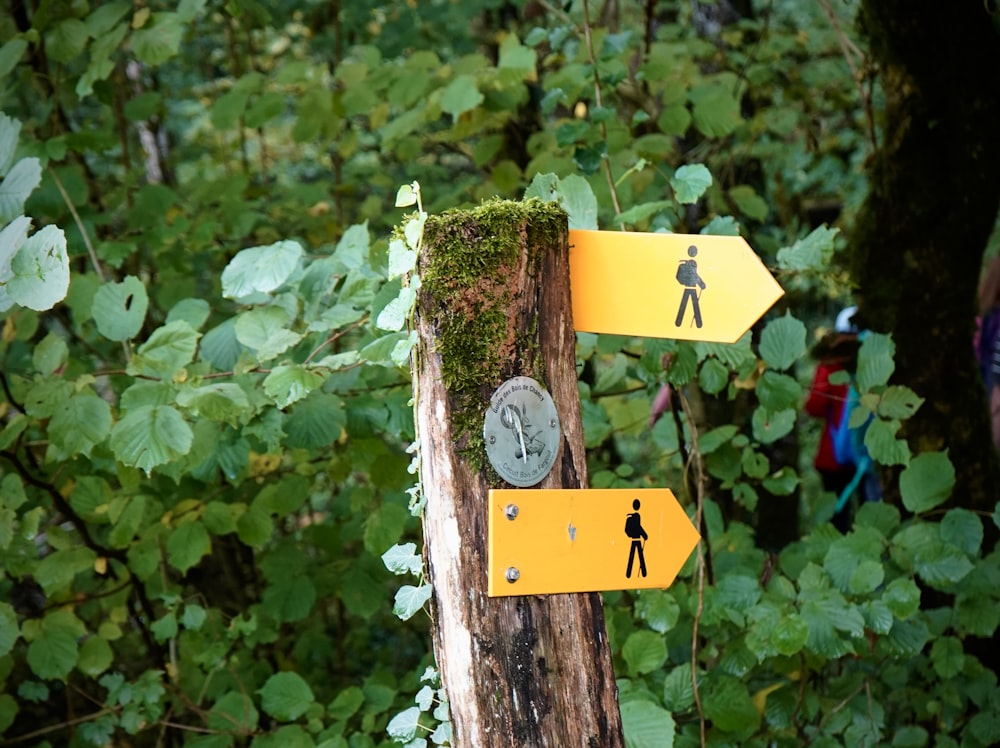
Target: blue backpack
{"type": "Point", "coordinates": [849, 445]}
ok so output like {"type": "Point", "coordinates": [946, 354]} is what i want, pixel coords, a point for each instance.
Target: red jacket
{"type": "Point", "coordinates": [826, 401]}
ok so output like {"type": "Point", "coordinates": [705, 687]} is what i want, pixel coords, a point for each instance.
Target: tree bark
{"type": "Point", "coordinates": [918, 243]}
{"type": "Point", "coordinates": [518, 671]}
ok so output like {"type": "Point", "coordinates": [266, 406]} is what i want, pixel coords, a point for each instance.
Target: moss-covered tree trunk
{"type": "Point", "coordinates": [934, 191]}
{"type": "Point", "coordinates": [494, 304]}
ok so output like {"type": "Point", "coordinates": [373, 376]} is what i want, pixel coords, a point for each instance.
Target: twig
{"type": "Point", "coordinates": [598, 101]}
{"type": "Point", "coordinates": [850, 51]}
{"type": "Point", "coordinates": [61, 726]}
{"type": "Point", "coordinates": [79, 224]}
{"type": "Point", "coordinates": [699, 468]}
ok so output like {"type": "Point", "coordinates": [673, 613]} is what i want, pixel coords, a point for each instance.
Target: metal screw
{"type": "Point", "coordinates": [552, 423]}
{"type": "Point", "coordinates": [493, 439]}
{"type": "Point", "coordinates": [510, 511]}
{"type": "Point", "coordinates": [513, 574]}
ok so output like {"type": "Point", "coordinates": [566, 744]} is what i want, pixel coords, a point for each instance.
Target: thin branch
{"type": "Point", "coordinates": [333, 338]}
{"type": "Point", "coordinates": [851, 52]}
{"type": "Point", "coordinates": [61, 726]}
{"type": "Point", "coordinates": [598, 100]}
{"type": "Point", "coordinates": [79, 223]}
{"type": "Point", "coordinates": [699, 467]}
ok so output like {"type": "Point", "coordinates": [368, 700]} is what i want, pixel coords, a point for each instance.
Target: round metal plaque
{"type": "Point", "coordinates": [521, 430]}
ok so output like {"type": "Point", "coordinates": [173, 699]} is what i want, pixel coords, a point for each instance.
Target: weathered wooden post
{"type": "Point", "coordinates": [495, 304]}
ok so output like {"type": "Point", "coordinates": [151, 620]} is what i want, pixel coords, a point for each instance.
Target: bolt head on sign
{"type": "Point", "coordinates": [680, 286]}
{"type": "Point", "coordinates": [549, 541]}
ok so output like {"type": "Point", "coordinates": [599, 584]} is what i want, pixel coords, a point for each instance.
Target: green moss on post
{"type": "Point", "coordinates": [473, 265]}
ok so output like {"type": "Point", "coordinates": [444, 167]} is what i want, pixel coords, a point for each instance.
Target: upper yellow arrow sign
{"type": "Point", "coordinates": [546, 541]}
{"type": "Point", "coordinates": [682, 286]}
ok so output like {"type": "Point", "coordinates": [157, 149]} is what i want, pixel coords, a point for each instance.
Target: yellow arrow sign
{"type": "Point", "coordinates": [548, 541]}
{"type": "Point", "coordinates": [682, 286]}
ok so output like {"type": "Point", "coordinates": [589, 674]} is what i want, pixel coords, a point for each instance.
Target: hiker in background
{"type": "Point", "coordinates": [987, 342]}
{"type": "Point", "coordinates": [836, 351]}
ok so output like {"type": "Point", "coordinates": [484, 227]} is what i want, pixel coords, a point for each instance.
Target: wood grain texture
{"type": "Point", "coordinates": [519, 671]}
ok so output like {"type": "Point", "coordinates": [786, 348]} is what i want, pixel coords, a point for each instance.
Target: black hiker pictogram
{"type": "Point", "coordinates": [687, 276]}
{"type": "Point", "coordinates": [633, 528]}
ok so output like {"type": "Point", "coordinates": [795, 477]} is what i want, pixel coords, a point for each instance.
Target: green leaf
{"type": "Point", "coordinates": [749, 202]}
{"type": "Point", "coordinates": [646, 725]}
{"type": "Point", "coordinates": [410, 599]}
{"type": "Point", "coordinates": [728, 704]}
{"type": "Point", "coordinates": [95, 656]}
{"type": "Point", "coordinates": [690, 182]}
{"type": "Point", "coordinates": [403, 726]}
{"type": "Point", "coordinates": [403, 559]}
{"type": "Point", "coordinates": [53, 650]}
{"type": "Point", "coordinates": [941, 565]}
{"type": "Point", "coordinates": [285, 696]}
{"type": "Point", "coordinates": [233, 712]}
{"type": "Point", "coordinates": [882, 444]}
{"type": "Point", "coordinates": [716, 112]}
{"type": "Point", "coordinates": [8, 628]}
{"type": "Point", "coordinates": [49, 354]}
{"type": "Point", "coordinates": [678, 689]}
{"type": "Point", "coordinates": [264, 331]}
{"type": "Point", "coordinates": [658, 609]}
{"type": "Point", "coordinates": [290, 600]}
{"type": "Point", "coordinates": [119, 309]}
{"type": "Point", "coordinates": [151, 436]}
{"type": "Point", "coordinates": [812, 252]}
{"type": "Point", "coordinates": [66, 39]}
{"type": "Point", "coordinates": [963, 529]}
{"type": "Point", "coordinates": [902, 596]}
{"type": "Point", "coordinates": [460, 96]}
{"type": "Point", "coordinates": [406, 195]}
{"type": "Point", "coordinates": [898, 402]}
{"type": "Point", "coordinates": [10, 55]}
{"type": "Point", "coordinates": [193, 311]}
{"type": "Point", "coordinates": [790, 634]}
{"type": "Point", "coordinates": [402, 259]}
{"type": "Point", "coordinates": [128, 522]}
{"type": "Point", "coordinates": [644, 652]}
{"type": "Point", "coordinates": [875, 361]}
{"type": "Point", "coordinates": [254, 527]}
{"type": "Point", "coordinates": [947, 657]}
{"type": "Point", "coordinates": [778, 391]}
{"type": "Point", "coordinates": [187, 544]}
{"type": "Point", "coordinates": [8, 709]}
{"type": "Point", "coordinates": [101, 19]}
{"type": "Point", "coordinates": [713, 376]}
{"type": "Point", "coordinates": [260, 269]}
{"type": "Point", "coordinates": [18, 183]}
{"type": "Point", "coordinates": [394, 315]}
{"type": "Point", "coordinates": [10, 130]}
{"type": "Point", "coordinates": [219, 401]}
{"type": "Point", "coordinates": [168, 349]}
{"type": "Point", "coordinates": [39, 272]}
{"type": "Point", "coordinates": [159, 40]}
{"type": "Point", "coordinates": [194, 617]}
{"type": "Point", "coordinates": [783, 342]}
{"type": "Point", "coordinates": [927, 482]}
{"type": "Point", "coordinates": [316, 421]}
{"type": "Point", "coordinates": [56, 572]}
{"type": "Point", "coordinates": [515, 55]}
{"type": "Point", "coordinates": [578, 200]}
{"type": "Point", "coordinates": [769, 426]}
{"type": "Point", "coordinates": [290, 383]}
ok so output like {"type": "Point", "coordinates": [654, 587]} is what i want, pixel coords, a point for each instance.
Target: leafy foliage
{"type": "Point", "coordinates": [206, 429]}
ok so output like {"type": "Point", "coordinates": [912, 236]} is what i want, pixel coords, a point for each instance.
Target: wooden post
{"type": "Point", "coordinates": [494, 304]}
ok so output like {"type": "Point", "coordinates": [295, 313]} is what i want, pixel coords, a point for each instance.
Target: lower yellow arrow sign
{"type": "Point", "coordinates": [549, 541]}
{"type": "Point", "coordinates": [681, 286]}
